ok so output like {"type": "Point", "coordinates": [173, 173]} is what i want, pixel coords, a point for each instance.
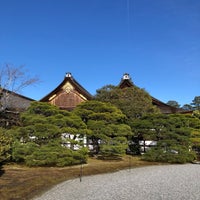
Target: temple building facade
{"type": "Point", "coordinates": [69, 93]}
{"type": "Point", "coordinates": [163, 107]}
{"type": "Point", "coordinates": [10, 100]}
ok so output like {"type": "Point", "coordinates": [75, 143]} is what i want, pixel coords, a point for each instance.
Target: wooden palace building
{"type": "Point", "coordinates": [69, 93]}
{"type": "Point", "coordinates": [164, 108]}
{"type": "Point", "coordinates": [10, 100]}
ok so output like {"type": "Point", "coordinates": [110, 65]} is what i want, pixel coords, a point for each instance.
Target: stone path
{"type": "Point", "coordinates": [170, 182]}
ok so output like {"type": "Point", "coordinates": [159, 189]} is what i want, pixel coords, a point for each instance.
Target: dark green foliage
{"type": "Point", "coordinates": [20, 151]}
{"type": "Point", "coordinates": [175, 154]}
{"type": "Point", "coordinates": [194, 124]}
{"type": "Point", "coordinates": [133, 101]}
{"type": "Point", "coordinates": [39, 141]}
{"type": "Point", "coordinates": [114, 147]}
{"type": "Point", "coordinates": [44, 109]}
{"type": "Point", "coordinates": [47, 155]}
{"type": "Point", "coordinates": [172, 132]}
{"type": "Point", "coordinates": [196, 103]}
{"type": "Point", "coordinates": [5, 145]}
{"type": "Point", "coordinates": [106, 126]}
{"type": "Point", "coordinates": [162, 127]}
{"type": "Point", "coordinates": [173, 103]}
{"type": "Point", "coordinates": [95, 110]}
{"type": "Point", "coordinates": [196, 113]}
{"type": "Point", "coordinates": [187, 107]}
{"type": "Point", "coordinates": [9, 119]}
{"type": "Point", "coordinates": [45, 123]}
{"type": "Point", "coordinates": [57, 155]}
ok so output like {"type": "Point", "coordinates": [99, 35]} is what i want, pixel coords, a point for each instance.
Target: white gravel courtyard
{"type": "Point", "coordinates": [169, 182]}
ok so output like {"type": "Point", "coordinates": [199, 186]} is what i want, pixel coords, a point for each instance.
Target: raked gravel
{"type": "Point", "coordinates": [168, 182]}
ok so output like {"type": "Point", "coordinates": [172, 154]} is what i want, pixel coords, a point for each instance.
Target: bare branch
{"type": "Point", "coordinates": [13, 79]}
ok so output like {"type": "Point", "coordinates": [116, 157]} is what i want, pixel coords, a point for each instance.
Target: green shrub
{"type": "Point", "coordinates": [21, 150]}
{"type": "Point", "coordinates": [5, 145]}
{"type": "Point", "coordinates": [56, 156]}
{"type": "Point", "coordinates": [177, 155]}
{"type": "Point", "coordinates": [52, 154]}
{"type": "Point", "coordinates": [112, 150]}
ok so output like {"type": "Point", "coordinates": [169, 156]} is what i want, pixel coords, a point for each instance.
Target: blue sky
{"type": "Point", "coordinates": [156, 41]}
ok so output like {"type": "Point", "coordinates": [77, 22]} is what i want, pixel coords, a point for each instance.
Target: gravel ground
{"type": "Point", "coordinates": [179, 182]}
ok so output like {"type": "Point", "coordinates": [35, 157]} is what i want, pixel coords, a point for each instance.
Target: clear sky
{"type": "Point", "coordinates": [156, 41]}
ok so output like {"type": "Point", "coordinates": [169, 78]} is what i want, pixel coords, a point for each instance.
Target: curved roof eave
{"type": "Point", "coordinates": [74, 83]}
